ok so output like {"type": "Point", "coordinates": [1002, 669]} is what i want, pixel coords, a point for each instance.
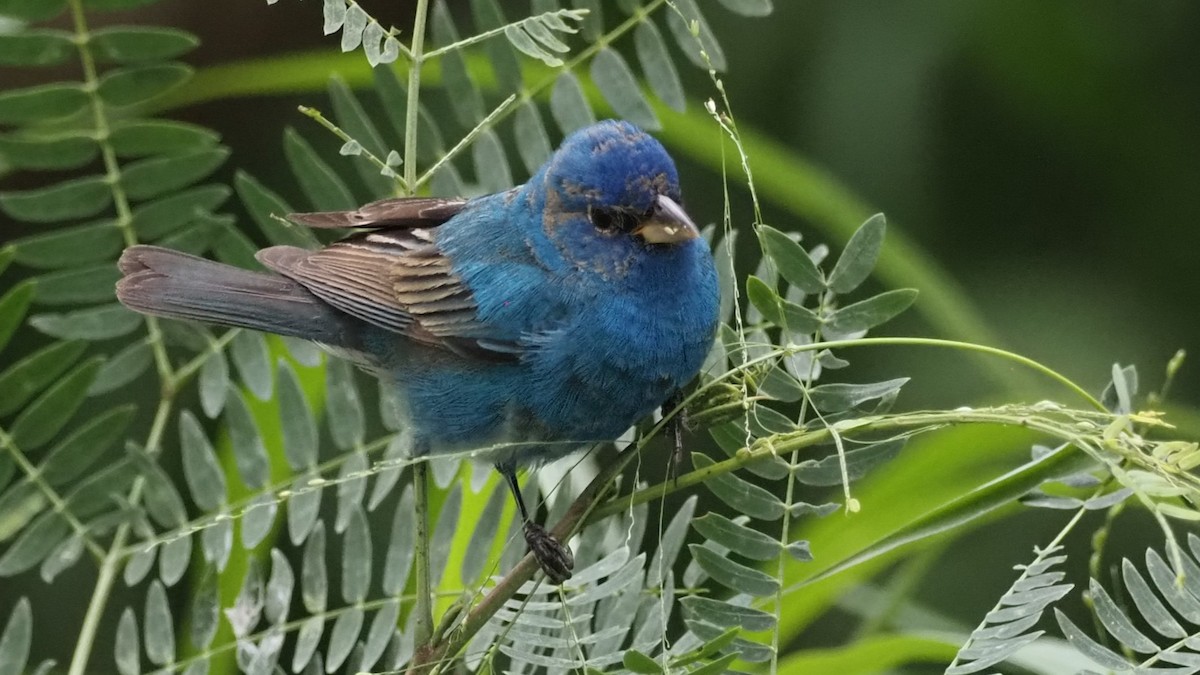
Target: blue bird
{"type": "Point", "coordinates": [531, 323]}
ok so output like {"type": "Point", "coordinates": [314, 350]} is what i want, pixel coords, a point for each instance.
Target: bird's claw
{"type": "Point", "coordinates": [555, 559]}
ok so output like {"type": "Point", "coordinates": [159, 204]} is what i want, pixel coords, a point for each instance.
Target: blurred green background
{"type": "Point", "coordinates": [1045, 154]}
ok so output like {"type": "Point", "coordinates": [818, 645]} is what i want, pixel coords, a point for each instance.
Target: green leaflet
{"type": "Point", "coordinates": [43, 419]}
{"type": "Point", "coordinates": [76, 198]}
{"type": "Point", "coordinates": [615, 80]}
{"type": "Point", "coordinates": [130, 85]}
{"type": "Point", "coordinates": [131, 44]}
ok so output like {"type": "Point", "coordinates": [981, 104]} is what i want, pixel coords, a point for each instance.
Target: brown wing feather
{"type": "Point", "coordinates": [398, 280]}
{"type": "Point", "coordinates": [399, 212]}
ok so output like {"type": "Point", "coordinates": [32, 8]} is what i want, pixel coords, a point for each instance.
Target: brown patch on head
{"type": "Point", "coordinates": [658, 184]}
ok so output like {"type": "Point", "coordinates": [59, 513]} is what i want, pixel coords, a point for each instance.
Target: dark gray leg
{"type": "Point", "coordinates": [555, 559]}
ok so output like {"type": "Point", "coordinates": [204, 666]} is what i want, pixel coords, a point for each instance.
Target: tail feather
{"type": "Point", "coordinates": [168, 283]}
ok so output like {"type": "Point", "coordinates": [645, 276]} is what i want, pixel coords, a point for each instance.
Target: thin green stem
{"type": "Point", "coordinates": [423, 630]}
{"type": "Point", "coordinates": [319, 117]}
{"type": "Point", "coordinates": [413, 110]}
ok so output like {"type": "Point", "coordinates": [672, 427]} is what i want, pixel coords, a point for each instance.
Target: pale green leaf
{"type": "Point", "coordinates": [174, 558]}
{"type": "Point", "coordinates": [399, 556]}
{"type": "Point", "coordinates": [216, 541]}
{"type": "Point", "coordinates": [67, 247]}
{"type": "Point", "coordinates": [749, 7]}
{"type": "Point", "coordinates": [15, 641]}
{"type": "Point", "coordinates": [658, 66]}
{"type": "Point", "coordinates": [55, 152]}
{"type": "Point", "coordinates": [325, 190]}
{"type": "Point", "coordinates": [351, 486]}
{"type": "Point", "coordinates": [739, 494]}
{"type": "Point", "coordinates": [342, 638]}
{"type": "Point", "coordinates": [593, 22]}
{"type": "Point", "coordinates": [21, 504]}
{"type": "Point", "coordinates": [840, 396]}
{"type": "Point", "coordinates": [201, 469]}
{"type": "Point", "coordinates": [139, 138]}
{"type": "Point", "coordinates": [130, 44]}
{"type": "Point", "coordinates": [792, 261]}
{"type": "Point", "coordinates": [213, 384]}
{"type": "Point", "coordinates": [356, 558]}
{"type": "Point", "coordinates": [35, 47]}
{"type": "Point", "coordinates": [160, 628]}
{"type": "Point", "coordinates": [162, 216]}
{"type": "Point", "coordinates": [41, 103]}
{"type": "Point", "coordinates": [127, 650]}
{"type": "Point", "coordinates": [86, 445]}
{"type": "Point", "coordinates": [163, 503]}
{"type": "Point", "coordinates": [380, 633]}
{"type": "Point", "coordinates": [34, 544]}
{"type": "Point", "coordinates": [76, 198]}
{"type": "Point", "coordinates": [248, 451]}
{"type": "Point", "coordinates": [206, 608]}
{"type": "Point", "coordinates": [568, 105]}
{"type": "Point", "coordinates": [500, 55]}
{"type": "Point", "coordinates": [296, 420]}
{"type": "Point", "coordinates": [343, 408]}
{"type": "Point", "coordinates": [257, 520]}
{"type": "Point", "coordinates": [616, 82]}
{"type": "Point", "coordinates": [725, 614]}
{"type": "Point", "coordinates": [266, 208]}
{"type": "Point", "coordinates": [153, 177]}
{"type": "Point", "coordinates": [303, 509]}
{"type": "Point", "coordinates": [98, 323]}
{"type": "Point", "coordinates": [279, 588]}
{"type": "Point", "coordinates": [354, 121]}
{"type": "Point", "coordinates": [443, 533]}
{"type": "Point", "coordinates": [309, 635]}
{"type": "Point", "coordinates": [13, 306]}
{"type": "Point", "coordinates": [479, 545]}
{"type": "Point", "coordinates": [533, 143]}
{"type": "Point", "coordinates": [31, 374]}
{"type": "Point", "coordinates": [129, 85]}
{"type": "Point", "coordinates": [734, 575]}
{"type": "Point", "coordinates": [638, 662]}
{"type": "Point", "coordinates": [828, 471]}
{"type": "Point", "coordinates": [82, 285]}
{"type": "Point", "coordinates": [692, 44]}
{"type": "Point", "coordinates": [252, 360]}
{"type": "Point", "coordinates": [491, 164]}
{"type": "Point", "coordinates": [671, 542]}
{"type": "Point", "coordinates": [1099, 654]}
{"type": "Point", "coordinates": [737, 537]}
{"type": "Point", "coordinates": [314, 581]}
{"type": "Point", "coordinates": [43, 419]}
{"type": "Point", "coordinates": [858, 260]}
{"type": "Point", "coordinates": [871, 312]}
{"type": "Point", "coordinates": [125, 367]}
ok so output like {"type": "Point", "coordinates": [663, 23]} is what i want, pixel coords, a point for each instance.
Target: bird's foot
{"type": "Point", "coordinates": [555, 559]}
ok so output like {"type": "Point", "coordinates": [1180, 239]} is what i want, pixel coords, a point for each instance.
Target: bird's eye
{"type": "Point", "coordinates": [611, 220]}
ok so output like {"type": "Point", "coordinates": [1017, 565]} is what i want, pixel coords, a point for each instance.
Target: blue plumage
{"type": "Point", "coordinates": [557, 313]}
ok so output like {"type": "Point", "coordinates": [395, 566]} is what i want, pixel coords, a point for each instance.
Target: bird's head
{"type": "Point", "coordinates": [611, 192]}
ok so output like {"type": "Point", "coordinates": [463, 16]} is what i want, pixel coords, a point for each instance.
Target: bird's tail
{"type": "Point", "coordinates": [168, 283]}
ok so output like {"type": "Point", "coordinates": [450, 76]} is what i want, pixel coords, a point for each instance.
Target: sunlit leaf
{"type": "Point", "coordinates": [734, 575]}
{"type": "Point", "coordinates": [839, 396]}
{"type": "Point", "coordinates": [342, 637]}
{"type": "Point", "coordinates": [741, 495]}
{"type": "Point", "coordinates": [343, 408]}
{"type": "Point", "coordinates": [726, 615]}
{"type": "Point", "coordinates": [160, 631]}
{"type": "Point", "coordinates": [314, 581]}
{"type": "Point", "coordinates": [501, 57]}
{"type": "Point", "coordinates": [399, 556]}
{"type": "Point", "coordinates": [737, 537]}
{"type": "Point", "coordinates": [793, 262]}
{"type": "Point", "coordinates": [533, 144]}
{"type": "Point", "coordinates": [206, 607]}
{"type": "Point", "coordinates": [213, 384]}
{"type": "Point", "coordinates": [356, 558]}
{"type": "Point", "coordinates": [258, 520]}
{"type": "Point", "coordinates": [858, 462]}
{"type": "Point", "coordinates": [253, 362]}
{"type": "Point", "coordinates": [380, 633]}
{"type": "Point", "coordinates": [296, 420]}
{"type": "Point", "coordinates": [491, 164]}
{"type": "Point", "coordinates": [279, 588]}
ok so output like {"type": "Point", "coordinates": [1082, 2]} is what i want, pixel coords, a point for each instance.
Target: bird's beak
{"type": "Point", "coordinates": [668, 224]}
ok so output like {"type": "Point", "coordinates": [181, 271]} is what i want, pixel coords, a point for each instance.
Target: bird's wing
{"type": "Point", "coordinates": [396, 279]}
{"type": "Point", "coordinates": [400, 212]}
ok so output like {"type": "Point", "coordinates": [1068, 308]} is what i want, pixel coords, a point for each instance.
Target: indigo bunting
{"type": "Point", "coordinates": [536, 321]}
